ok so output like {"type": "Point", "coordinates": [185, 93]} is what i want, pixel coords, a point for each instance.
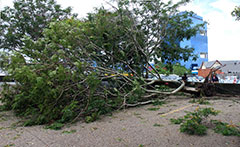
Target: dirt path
{"type": "Point", "coordinates": [133, 127]}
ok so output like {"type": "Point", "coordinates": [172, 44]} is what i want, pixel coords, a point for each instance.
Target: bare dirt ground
{"type": "Point", "coordinates": [133, 127]}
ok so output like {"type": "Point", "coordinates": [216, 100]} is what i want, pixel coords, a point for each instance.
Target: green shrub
{"type": "Point", "coordinates": [191, 123]}
{"type": "Point", "coordinates": [225, 128]}
{"type": "Point", "coordinates": [153, 109]}
{"type": "Point", "coordinates": [200, 101]}
{"type": "Point", "coordinates": [192, 127]}
{"type": "Point", "coordinates": [176, 121]}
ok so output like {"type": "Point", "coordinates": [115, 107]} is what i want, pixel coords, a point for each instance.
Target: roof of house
{"type": "Point", "coordinates": [209, 64]}
{"type": "Point", "coordinates": [228, 66]}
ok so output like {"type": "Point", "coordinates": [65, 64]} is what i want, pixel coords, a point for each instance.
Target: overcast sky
{"type": "Point", "coordinates": [223, 30]}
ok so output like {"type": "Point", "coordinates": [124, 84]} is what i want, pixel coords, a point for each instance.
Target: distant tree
{"type": "Point", "coordinates": [180, 70]}
{"type": "Point", "coordinates": [236, 13]}
{"type": "Point", "coordinates": [28, 18]}
{"type": "Point", "coordinates": [176, 69]}
{"type": "Point", "coordinates": [163, 27]}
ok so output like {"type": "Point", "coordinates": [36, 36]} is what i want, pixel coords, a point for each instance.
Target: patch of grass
{"type": "Point", "coordinates": [153, 109]}
{"type": "Point", "coordinates": [141, 145]}
{"type": "Point", "coordinates": [158, 103]}
{"type": "Point", "coordinates": [157, 125]}
{"type": "Point", "coordinates": [225, 128]}
{"type": "Point", "coordinates": [69, 132]}
{"type": "Point", "coordinates": [119, 139]}
{"type": "Point", "coordinates": [200, 101]}
{"type": "Point", "coordinates": [55, 126]}
{"type": "Point", "coordinates": [176, 121]}
{"type": "Point", "coordinates": [9, 145]}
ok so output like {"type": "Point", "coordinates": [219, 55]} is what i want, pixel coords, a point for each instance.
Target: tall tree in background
{"type": "Point", "coordinates": [236, 13]}
{"type": "Point", "coordinates": [163, 27]}
{"type": "Point", "coordinates": [28, 18]}
{"type": "Point", "coordinates": [136, 32]}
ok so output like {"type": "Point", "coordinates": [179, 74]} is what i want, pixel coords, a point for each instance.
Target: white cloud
{"type": "Point", "coordinates": [193, 7]}
{"type": "Point", "coordinates": [223, 30]}
{"type": "Point", "coordinates": [82, 7]}
{"type": "Point", "coordinates": [225, 6]}
{"type": "Point", "coordinates": [4, 3]}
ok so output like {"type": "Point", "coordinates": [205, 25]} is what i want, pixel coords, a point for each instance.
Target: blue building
{"type": "Point", "coordinates": [199, 43]}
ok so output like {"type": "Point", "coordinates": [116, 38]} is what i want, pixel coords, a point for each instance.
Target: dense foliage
{"type": "Point", "coordinates": [84, 68]}
{"type": "Point", "coordinates": [28, 18]}
{"type": "Point", "coordinates": [60, 81]}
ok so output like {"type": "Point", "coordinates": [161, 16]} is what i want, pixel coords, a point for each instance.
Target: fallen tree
{"type": "Point", "coordinates": [85, 68]}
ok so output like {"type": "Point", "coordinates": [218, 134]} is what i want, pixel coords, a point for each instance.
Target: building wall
{"type": "Point", "coordinates": [228, 68]}
{"type": "Point", "coordinates": [199, 43]}
{"type": "Point", "coordinates": [205, 72]}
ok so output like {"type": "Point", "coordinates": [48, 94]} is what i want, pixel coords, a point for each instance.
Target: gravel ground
{"type": "Point", "coordinates": [133, 127]}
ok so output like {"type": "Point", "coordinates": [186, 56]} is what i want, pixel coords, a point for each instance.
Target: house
{"type": "Point", "coordinates": [226, 68]}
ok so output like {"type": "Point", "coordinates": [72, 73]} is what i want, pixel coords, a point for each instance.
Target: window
{"type": "Point", "coordinates": [203, 55]}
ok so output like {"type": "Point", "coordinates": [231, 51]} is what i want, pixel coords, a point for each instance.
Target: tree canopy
{"type": "Point", "coordinates": [84, 68]}
{"type": "Point", "coordinates": [28, 18]}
